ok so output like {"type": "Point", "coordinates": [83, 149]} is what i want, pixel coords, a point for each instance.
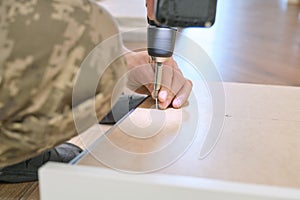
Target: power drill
{"type": "Point", "coordinates": [161, 35]}
{"type": "Point", "coordinates": [161, 42]}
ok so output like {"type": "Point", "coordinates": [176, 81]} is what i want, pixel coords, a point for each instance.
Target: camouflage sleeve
{"type": "Point", "coordinates": [42, 45]}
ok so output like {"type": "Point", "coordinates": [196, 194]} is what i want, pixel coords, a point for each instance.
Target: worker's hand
{"type": "Point", "coordinates": [150, 4]}
{"type": "Point", "coordinates": [175, 88]}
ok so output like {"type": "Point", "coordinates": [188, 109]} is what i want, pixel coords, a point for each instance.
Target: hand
{"type": "Point", "coordinates": [150, 4]}
{"type": "Point", "coordinates": [175, 88]}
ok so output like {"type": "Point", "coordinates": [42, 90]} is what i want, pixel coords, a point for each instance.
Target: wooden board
{"type": "Point", "coordinates": [82, 182]}
{"type": "Point", "coordinates": [259, 143]}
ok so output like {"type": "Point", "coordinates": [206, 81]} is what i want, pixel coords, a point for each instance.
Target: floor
{"type": "Point", "coordinates": [252, 41]}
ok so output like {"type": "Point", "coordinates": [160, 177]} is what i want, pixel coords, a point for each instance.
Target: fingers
{"type": "Point", "coordinates": [175, 88]}
{"type": "Point", "coordinates": [183, 94]}
{"type": "Point", "coordinates": [165, 93]}
{"type": "Point", "coordinates": [140, 79]}
{"type": "Point", "coordinates": [140, 74]}
{"type": "Point", "coordinates": [177, 99]}
{"type": "Point", "coordinates": [172, 82]}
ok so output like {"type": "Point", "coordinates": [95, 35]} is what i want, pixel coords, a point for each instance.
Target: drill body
{"type": "Point", "coordinates": [161, 36]}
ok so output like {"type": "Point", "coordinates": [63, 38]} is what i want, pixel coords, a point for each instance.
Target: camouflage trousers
{"type": "Point", "coordinates": [42, 45]}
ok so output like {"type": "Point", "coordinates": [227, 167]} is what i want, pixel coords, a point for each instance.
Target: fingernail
{"type": "Point", "coordinates": [163, 95]}
{"type": "Point", "coordinates": [177, 103]}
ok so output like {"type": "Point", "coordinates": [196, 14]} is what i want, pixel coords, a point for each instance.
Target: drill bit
{"type": "Point", "coordinates": [157, 81]}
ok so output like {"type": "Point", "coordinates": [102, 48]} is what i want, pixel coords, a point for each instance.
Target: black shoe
{"type": "Point", "coordinates": [28, 170]}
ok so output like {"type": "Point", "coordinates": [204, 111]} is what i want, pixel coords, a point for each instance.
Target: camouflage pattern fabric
{"type": "Point", "coordinates": [42, 44]}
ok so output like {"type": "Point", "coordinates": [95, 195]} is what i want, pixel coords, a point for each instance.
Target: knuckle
{"type": "Point", "coordinates": [189, 82]}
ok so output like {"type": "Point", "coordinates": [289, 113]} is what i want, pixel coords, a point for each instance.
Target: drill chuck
{"type": "Point", "coordinates": [161, 41]}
